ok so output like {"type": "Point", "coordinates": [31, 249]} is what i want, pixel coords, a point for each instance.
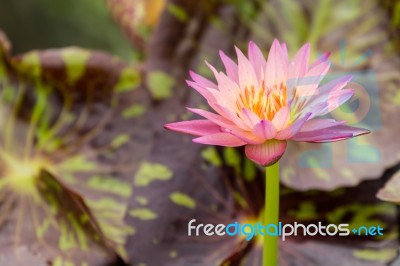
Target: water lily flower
{"type": "Point", "coordinates": [260, 104]}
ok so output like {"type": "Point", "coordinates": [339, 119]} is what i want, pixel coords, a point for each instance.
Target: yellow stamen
{"type": "Point", "coordinates": [263, 102]}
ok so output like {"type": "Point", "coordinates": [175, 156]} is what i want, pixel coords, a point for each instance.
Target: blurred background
{"type": "Point", "coordinates": [88, 175]}
{"type": "Point", "coordinates": [43, 24]}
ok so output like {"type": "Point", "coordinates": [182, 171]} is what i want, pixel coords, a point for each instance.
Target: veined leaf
{"type": "Point", "coordinates": [55, 106]}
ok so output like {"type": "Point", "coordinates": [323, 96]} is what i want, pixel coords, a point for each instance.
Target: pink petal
{"type": "Point", "coordinates": [245, 136]}
{"type": "Point", "coordinates": [293, 129]}
{"type": "Point", "coordinates": [320, 123]}
{"type": "Point", "coordinates": [194, 127]}
{"type": "Point", "coordinates": [316, 109]}
{"type": "Point", "coordinates": [228, 88]}
{"type": "Point", "coordinates": [334, 85]}
{"type": "Point", "coordinates": [202, 81]}
{"type": "Point", "coordinates": [202, 90]}
{"type": "Point", "coordinates": [230, 67]}
{"type": "Point", "coordinates": [299, 65]}
{"type": "Point", "coordinates": [335, 100]}
{"type": "Point", "coordinates": [220, 139]}
{"type": "Point", "coordinates": [247, 76]}
{"type": "Point", "coordinates": [249, 117]}
{"type": "Point", "coordinates": [328, 94]}
{"type": "Point", "coordinates": [307, 85]}
{"type": "Point", "coordinates": [257, 59]}
{"type": "Point", "coordinates": [265, 129]}
{"type": "Point", "coordinates": [210, 95]}
{"type": "Point", "coordinates": [285, 55]}
{"type": "Point", "coordinates": [217, 119]}
{"type": "Point", "coordinates": [281, 118]}
{"type": "Point", "coordinates": [276, 67]}
{"type": "Point", "coordinates": [233, 117]}
{"type": "Point", "coordinates": [267, 153]}
{"type": "Point", "coordinates": [335, 133]}
{"type": "Point", "coordinates": [212, 68]}
{"type": "Point", "coordinates": [323, 58]}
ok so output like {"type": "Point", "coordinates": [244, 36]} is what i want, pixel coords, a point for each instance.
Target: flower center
{"type": "Point", "coordinates": [264, 102]}
{"type": "Point", "coordinates": [20, 175]}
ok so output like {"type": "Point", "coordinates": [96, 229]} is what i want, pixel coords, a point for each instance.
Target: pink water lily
{"type": "Point", "coordinates": [263, 103]}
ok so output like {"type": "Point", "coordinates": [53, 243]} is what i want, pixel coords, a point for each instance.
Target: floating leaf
{"type": "Point", "coordinates": [52, 171]}
{"type": "Point", "coordinates": [74, 68]}
{"type": "Point", "coordinates": [391, 190]}
{"type": "Point", "coordinates": [136, 17]}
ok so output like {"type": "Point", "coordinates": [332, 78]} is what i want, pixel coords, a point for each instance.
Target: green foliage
{"type": "Point", "coordinates": [210, 154]}
{"type": "Point", "coordinates": [160, 84]}
{"type": "Point", "coordinates": [129, 79]}
{"type": "Point", "coordinates": [150, 172]}
{"type": "Point", "coordinates": [65, 23]}
{"type": "Point", "coordinates": [143, 214]}
{"type": "Point", "coordinates": [134, 111]}
{"type": "Point", "coordinates": [177, 12]}
{"type": "Point", "coordinates": [182, 199]}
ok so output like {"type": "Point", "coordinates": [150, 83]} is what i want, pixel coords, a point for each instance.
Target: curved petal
{"type": "Point", "coordinates": [209, 95]}
{"type": "Point", "coordinates": [220, 139]}
{"type": "Point", "coordinates": [265, 129]}
{"type": "Point", "coordinates": [326, 103]}
{"type": "Point", "coordinates": [334, 85]}
{"type": "Point", "coordinates": [323, 58]}
{"type": "Point", "coordinates": [229, 114]}
{"type": "Point", "coordinates": [212, 68]}
{"type": "Point", "coordinates": [202, 90]}
{"type": "Point", "coordinates": [334, 133]}
{"type": "Point", "coordinates": [267, 153]}
{"type": "Point", "coordinates": [285, 55]}
{"type": "Point", "coordinates": [299, 66]}
{"type": "Point", "coordinates": [230, 67]}
{"type": "Point", "coordinates": [194, 127]}
{"type": "Point", "coordinates": [293, 129]}
{"type": "Point", "coordinates": [334, 100]}
{"type": "Point", "coordinates": [329, 89]}
{"type": "Point", "coordinates": [320, 123]}
{"type": "Point", "coordinates": [281, 118]}
{"type": "Point", "coordinates": [249, 117]}
{"type": "Point", "coordinates": [247, 76]}
{"type": "Point", "coordinates": [228, 88]}
{"type": "Point", "coordinates": [276, 66]}
{"type": "Point", "coordinates": [246, 136]}
{"type": "Point", "coordinates": [217, 119]}
{"type": "Point", "coordinates": [257, 59]}
{"type": "Point", "coordinates": [308, 84]}
{"type": "Point", "coordinates": [202, 81]}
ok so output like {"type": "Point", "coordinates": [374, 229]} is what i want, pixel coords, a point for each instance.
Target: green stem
{"type": "Point", "coordinates": [271, 214]}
